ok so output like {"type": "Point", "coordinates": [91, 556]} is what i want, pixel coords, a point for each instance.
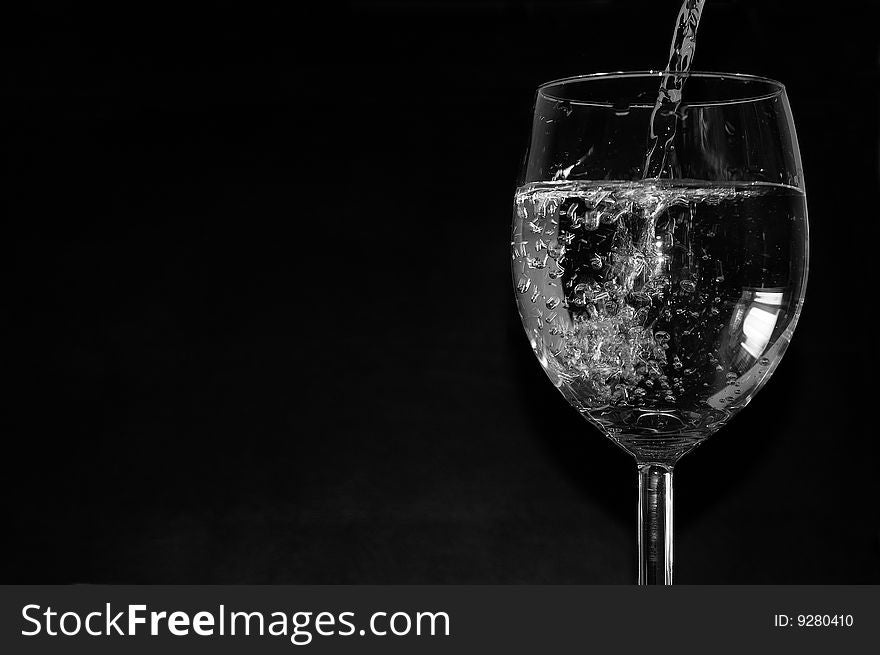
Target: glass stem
{"type": "Point", "coordinates": [655, 524]}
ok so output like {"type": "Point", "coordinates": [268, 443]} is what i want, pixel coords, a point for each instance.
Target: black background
{"type": "Point", "coordinates": [260, 320]}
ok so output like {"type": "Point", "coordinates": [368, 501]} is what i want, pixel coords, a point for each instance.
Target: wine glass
{"type": "Point", "coordinates": [659, 306]}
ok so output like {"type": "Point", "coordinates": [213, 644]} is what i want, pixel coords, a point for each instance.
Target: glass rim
{"type": "Point", "coordinates": [777, 86]}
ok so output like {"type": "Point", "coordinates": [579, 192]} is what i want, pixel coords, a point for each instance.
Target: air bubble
{"type": "Point", "coordinates": [688, 286]}
{"type": "Point", "coordinates": [582, 294]}
{"type": "Point", "coordinates": [638, 299]}
{"type": "Point", "coordinates": [591, 220]}
{"type": "Point", "coordinates": [764, 361]}
{"type": "Point", "coordinates": [574, 209]}
{"type": "Point", "coordinates": [534, 262]}
{"type": "Point", "coordinates": [552, 303]}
